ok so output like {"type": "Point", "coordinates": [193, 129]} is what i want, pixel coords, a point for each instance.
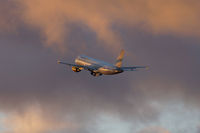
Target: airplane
{"type": "Point", "coordinates": [98, 67]}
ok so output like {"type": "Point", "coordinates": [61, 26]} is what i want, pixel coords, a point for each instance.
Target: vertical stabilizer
{"type": "Point", "coordinates": [120, 58]}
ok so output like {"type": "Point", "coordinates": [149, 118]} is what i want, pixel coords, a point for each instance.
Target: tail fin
{"type": "Point", "coordinates": [119, 59]}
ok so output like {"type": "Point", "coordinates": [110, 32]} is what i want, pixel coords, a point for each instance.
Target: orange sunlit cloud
{"type": "Point", "coordinates": [53, 17]}
{"type": "Point", "coordinates": [71, 102]}
{"type": "Point", "coordinates": [32, 120]}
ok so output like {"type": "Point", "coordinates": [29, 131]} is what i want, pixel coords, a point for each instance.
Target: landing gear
{"type": "Point", "coordinates": [95, 74]}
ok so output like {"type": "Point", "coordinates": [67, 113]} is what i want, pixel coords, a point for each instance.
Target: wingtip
{"type": "Point", "coordinates": [147, 68]}
{"type": "Point", "coordinates": [58, 61]}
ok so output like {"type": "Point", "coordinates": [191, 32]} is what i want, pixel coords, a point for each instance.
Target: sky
{"type": "Point", "coordinates": [39, 96]}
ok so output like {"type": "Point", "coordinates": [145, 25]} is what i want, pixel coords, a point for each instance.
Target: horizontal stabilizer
{"type": "Point", "coordinates": [134, 68]}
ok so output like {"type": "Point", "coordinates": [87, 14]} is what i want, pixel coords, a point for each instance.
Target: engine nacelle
{"type": "Point", "coordinates": [76, 69]}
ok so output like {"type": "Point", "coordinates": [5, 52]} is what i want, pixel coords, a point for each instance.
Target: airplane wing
{"type": "Point", "coordinates": [80, 66]}
{"type": "Point", "coordinates": [134, 68]}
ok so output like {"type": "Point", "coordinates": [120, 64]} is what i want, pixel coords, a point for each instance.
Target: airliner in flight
{"type": "Point", "coordinates": [98, 68]}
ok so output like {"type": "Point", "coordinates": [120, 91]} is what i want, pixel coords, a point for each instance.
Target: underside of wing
{"type": "Point", "coordinates": [60, 62]}
{"type": "Point", "coordinates": [90, 68]}
{"type": "Point", "coordinates": [134, 68]}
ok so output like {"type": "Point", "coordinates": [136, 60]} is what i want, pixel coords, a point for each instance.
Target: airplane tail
{"type": "Point", "coordinates": [119, 59]}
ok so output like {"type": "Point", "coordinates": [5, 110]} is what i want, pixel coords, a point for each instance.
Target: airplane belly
{"type": "Point", "coordinates": [107, 71]}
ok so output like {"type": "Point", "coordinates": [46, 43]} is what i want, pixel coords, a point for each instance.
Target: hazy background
{"type": "Point", "coordinates": [39, 96]}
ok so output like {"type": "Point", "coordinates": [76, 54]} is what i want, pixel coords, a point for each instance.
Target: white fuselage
{"type": "Point", "coordinates": [97, 66]}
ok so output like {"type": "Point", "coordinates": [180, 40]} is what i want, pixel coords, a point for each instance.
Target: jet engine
{"type": "Point", "coordinates": [76, 69]}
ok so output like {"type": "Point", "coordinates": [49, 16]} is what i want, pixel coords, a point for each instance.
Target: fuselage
{"type": "Point", "coordinates": [97, 66]}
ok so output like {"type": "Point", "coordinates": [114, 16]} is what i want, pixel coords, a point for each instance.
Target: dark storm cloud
{"type": "Point", "coordinates": [34, 89]}
{"type": "Point", "coordinates": [58, 92]}
{"type": "Point", "coordinates": [30, 75]}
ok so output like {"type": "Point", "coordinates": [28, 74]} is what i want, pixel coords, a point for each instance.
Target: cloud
{"type": "Point", "coordinates": [55, 16]}
{"type": "Point", "coordinates": [34, 120]}
{"type": "Point", "coordinates": [55, 19]}
{"type": "Point", "coordinates": [154, 130]}
{"type": "Point", "coordinates": [9, 16]}
{"type": "Point", "coordinates": [30, 75]}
